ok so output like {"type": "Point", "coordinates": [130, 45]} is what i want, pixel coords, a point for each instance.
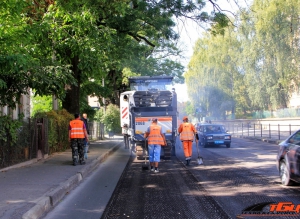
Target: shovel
{"type": "Point", "coordinates": [145, 165]}
{"type": "Point", "coordinates": [199, 159]}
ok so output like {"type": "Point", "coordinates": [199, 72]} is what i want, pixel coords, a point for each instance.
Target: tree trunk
{"type": "Point", "coordinates": [112, 74]}
{"type": "Point", "coordinates": [71, 102]}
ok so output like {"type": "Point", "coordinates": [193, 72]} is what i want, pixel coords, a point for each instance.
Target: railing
{"type": "Point", "coordinates": [29, 141]}
{"type": "Point", "coordinates": [267, 131]}
{"type": "Point", "coordinates": [96, 130]}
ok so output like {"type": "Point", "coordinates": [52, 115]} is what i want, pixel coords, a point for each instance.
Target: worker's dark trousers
{"type": "Point", "coordinates": [77, 145]}
{"type": "Point", "coordinates": [126, 141]}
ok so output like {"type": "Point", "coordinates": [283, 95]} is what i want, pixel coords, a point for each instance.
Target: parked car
{"type": "Point", "coordinates": [288, 159]}
{"type": "Point", "coordinates": [213, 134]}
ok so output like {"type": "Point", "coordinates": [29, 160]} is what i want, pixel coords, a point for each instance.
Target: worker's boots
{"type": "Point", "coordinates": [188, 160]}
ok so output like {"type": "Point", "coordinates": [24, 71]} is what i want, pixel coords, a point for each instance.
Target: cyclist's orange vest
{"type": "Point", "coordinates": [155, 136]}
{"type": "Point", "coordinates": [77, 129]}
{"type": "Point", "coordinates": [187, 133]}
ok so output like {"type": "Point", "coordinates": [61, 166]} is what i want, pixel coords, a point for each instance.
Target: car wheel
{"type": "Point", "coordinates": [284, 174]}
{"type": "Point", "coordinates": [228, 145]}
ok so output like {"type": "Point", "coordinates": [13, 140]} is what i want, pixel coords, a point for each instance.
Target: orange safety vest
{"type": "Point", "coordinates": [187, 133]}
{"type": "Point", "coordinates": [77, 128]}
{"type": "Point", "coordinates": [155, 136]}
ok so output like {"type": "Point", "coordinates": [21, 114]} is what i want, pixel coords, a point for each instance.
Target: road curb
{"type": "Point", "coordinates": [45, 203]}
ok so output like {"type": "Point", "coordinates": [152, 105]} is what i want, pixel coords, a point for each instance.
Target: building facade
{"type": "Point", "coordinates": [22, 107]}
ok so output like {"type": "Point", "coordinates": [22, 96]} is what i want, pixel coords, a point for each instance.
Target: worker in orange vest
{"type": "Point", "coordinates": [156, 139]}
{"type": "Point", "coordinates": [187, 133]}
{"type": "Point", "coordinates": [77, 135]}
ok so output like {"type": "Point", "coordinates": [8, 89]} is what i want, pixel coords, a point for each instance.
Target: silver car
{"type": "Point", "coordinates": [288, 159]}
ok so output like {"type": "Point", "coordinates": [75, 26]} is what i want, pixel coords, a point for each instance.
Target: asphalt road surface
{"type": "Point", "coordinates": [229, 181]}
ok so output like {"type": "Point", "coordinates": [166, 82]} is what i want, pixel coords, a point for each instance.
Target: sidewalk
{"type": "Point", "coordinates": [30, 189]}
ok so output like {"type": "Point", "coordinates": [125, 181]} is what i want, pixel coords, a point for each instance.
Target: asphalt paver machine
{"type": "Point", "coordinates": [149, 96]}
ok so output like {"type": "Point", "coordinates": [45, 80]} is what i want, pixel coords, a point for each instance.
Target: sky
{"type": "Point", "coordinates": [190, 32]}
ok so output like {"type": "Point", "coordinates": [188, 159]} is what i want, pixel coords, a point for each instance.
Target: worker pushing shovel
{"type": "Point", "coordinates": [156, 139]}
{"type": "Point", "coordinates": [187, 133]}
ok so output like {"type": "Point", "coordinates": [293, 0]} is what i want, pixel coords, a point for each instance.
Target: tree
{"type": "Point", "coordinates": [213, 73]}
{"type": "Point", "coordinates": [145, 27]}
{"type": "Point", "coordinates": [22, 66]}
{"type": "Point", "coordinates": [277, 31]}
{"type": "Point", "coordinates": [70, 46]}
{"type": "Point", "coordinates": [41, 104]}
{"type": "Point", "coordinates": [253, 65]}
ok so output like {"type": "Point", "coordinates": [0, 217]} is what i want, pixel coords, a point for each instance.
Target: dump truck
{"type": "Point", "coordinates": [149, 97]}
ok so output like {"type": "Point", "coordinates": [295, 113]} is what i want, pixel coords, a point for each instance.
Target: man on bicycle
{"type": "Point", "coordinates": [77, 134]}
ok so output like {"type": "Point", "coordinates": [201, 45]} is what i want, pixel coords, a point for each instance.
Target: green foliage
{"type": "Point", "coordinates": [111, 119]}
{"type": "Point", "coordinates": [221, 21]}
{"type": "Point", "coordinates": [189, 109]}
{"type": "Point", "coordinates": [14, 137]}
{"type": "Point", "coordinates": [99, 115]}
{"type": "Point", "coordinates": [58, 129]}
{"type": "Point", "coordinates": [213, 78]}
{"type": "Point", "coordinates": [25, 60]}
{"type": "Point", "coordinates": [41, 104]}
{"type": "Point", "coordinates": [9, 129]}
{"type": "Point", "coordinates": [251, 66]}
{"type": "Point", "coordinates": [63, 48]}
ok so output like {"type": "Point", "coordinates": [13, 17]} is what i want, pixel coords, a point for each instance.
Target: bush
{"type": "Point", "coordinates": [9, 135]}
{"type": "Point", "coordinates": [58, 129]}
{"type": "Point", "coordinates": [111, 119]}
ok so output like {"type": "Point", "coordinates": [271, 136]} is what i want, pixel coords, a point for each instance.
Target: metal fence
{"type": "Point", "coordinates": [23, 149]}
{"type": "Point", "coordinates": [96, 130]}
{"type": "Point", "coordinates": [32, 141]}
{"type": "Point", "coordinates": [256, 129]}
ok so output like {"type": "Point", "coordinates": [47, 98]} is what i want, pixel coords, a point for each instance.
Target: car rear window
{"type": "Point", "coordinates": [213, 128]}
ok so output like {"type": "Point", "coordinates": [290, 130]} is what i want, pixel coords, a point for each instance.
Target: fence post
{"type": "Point", "coordinates": [278, 131]}
{"type": "Point", "coordinates": [254, 130]}
{"type": "Point", "coordinates": [269, 130]}
{"type": "Point", "coordinates": [248, 129]}
{"type": "Point", "coordinates": [233, 128]}
{"type": "Point", "coordinates": [261, 130]}
{"type": "Point", "coordinates": [242, 130]}
{"type": "Point", "coordinates": [290, 129]}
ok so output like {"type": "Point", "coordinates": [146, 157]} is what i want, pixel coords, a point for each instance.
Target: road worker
{"type": "Point", "coordinates": [156, 139]}
{"type": "Point", "coordinates": [126, 136]}
{"type": "Point", "coordinates": [187, 133]}
{"type": "Point", "coordinates": [77, 135]}
{"type": "Point", "coordinates": [86, 145]}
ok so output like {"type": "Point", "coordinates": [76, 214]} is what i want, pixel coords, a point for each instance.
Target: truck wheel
{"type": "Point", "coordinates": [167, 151]}
{"type": "Point", "coordinates": [228, 145]}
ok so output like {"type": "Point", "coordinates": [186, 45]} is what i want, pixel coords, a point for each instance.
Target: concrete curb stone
{"type": "Point", "coordinates": [43, 205]}
{"type": "Point", "coordinates": [57, 194]}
